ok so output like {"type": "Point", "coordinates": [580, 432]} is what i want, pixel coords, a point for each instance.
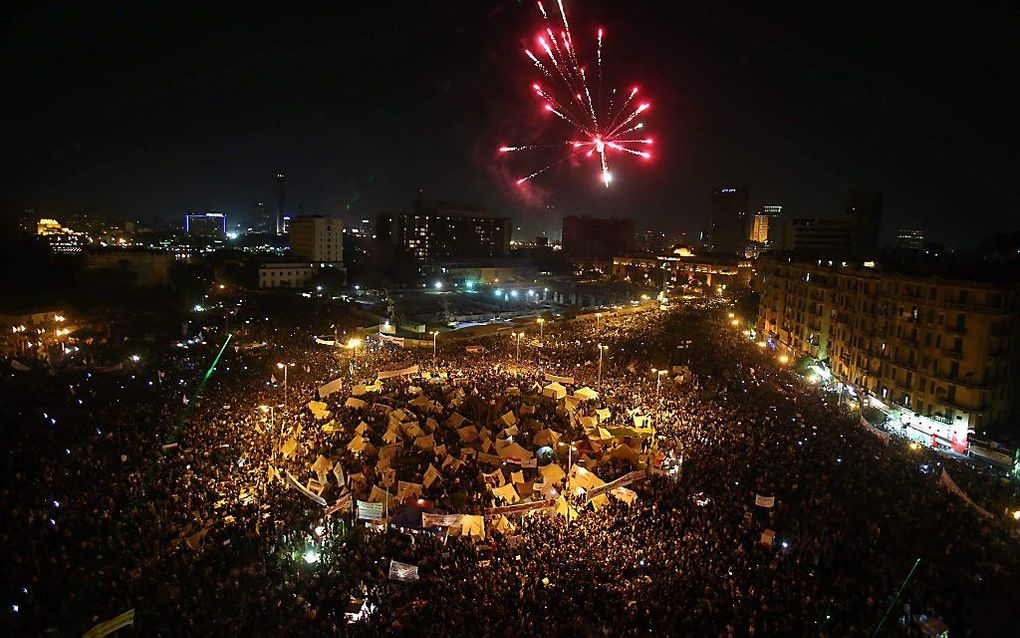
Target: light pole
{"type": "Point", "coordinates": [284, 366]}
{"type": "Point", "coordinates": [541, 323]}
{"type": "Point", "coordinates": [570, 495]}
{"type": "Point", "coordinates": [598, 321]}
{"type": "Point", "coordinates": [435, 336]}
{"type": "Point", "coordinates": [518, 335]}
{"type": "Point", "coordinates": [602, 349]}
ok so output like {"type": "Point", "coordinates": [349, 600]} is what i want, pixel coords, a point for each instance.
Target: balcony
{"type": "Point", "coordinates": [953, 353]}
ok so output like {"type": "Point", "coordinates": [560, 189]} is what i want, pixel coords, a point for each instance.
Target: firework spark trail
{"type": "Point", "coordinates": [570, 99]}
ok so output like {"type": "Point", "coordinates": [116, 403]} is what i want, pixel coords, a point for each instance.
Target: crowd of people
{"type": "Point", "coordinates": [764, 507]}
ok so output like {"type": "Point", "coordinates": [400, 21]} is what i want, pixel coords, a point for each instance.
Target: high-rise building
{"type": "Point", "coordinates": [940, 347]}
{"type": "Point", "coordinates": [765, 226]}
{"type": "Point", "coordinates": [585, 236]}
{"type": "Point", "coordinates": [317, 238]}
{"type": "Point", "coordinates": [263, 222]}
{"type": "Point", "coordinates": [211, 224]}
{"type": "Point", "coordinates": [865, 210]}
{"type": "Point", "coordinates": [280, 201]}
{"type": "Point", "coordinates": [910, 239]}
{"type": "Point", "coordinates": [729, 220]}
{"type": "Point", "coordinates": [442, 230]}
{"type": "Point", "coordinates": [820, 236]}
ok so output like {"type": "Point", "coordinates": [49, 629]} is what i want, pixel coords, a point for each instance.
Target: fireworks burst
{"type": "Point", "coordinates": [601, 126]}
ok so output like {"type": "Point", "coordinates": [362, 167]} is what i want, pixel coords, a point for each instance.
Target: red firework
{"type": "Point", "coordinates": [600, 124]}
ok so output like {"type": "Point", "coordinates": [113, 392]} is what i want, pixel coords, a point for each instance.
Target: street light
{"type": "Point", "coordinates": [284, 366]}
{"type": "Point", "coordinates": [518, 335]}
{"type": "Point", "coordinates": [598, 321]}
{"type": "Point", "coordinates": [541, 322]}
{"type": "Point", "coordinates": [784, 359]}
{"type": "Point", "coordinates": [435, 336]}
{"type": "Point", "coordinates": [602, 349]}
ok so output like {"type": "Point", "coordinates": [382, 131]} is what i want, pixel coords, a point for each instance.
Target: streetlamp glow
{"type": "Point", "coordinates": [784, 359]}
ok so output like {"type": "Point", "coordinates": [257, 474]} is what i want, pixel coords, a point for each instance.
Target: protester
{"type": "Point", "coordinates": [121, 495]}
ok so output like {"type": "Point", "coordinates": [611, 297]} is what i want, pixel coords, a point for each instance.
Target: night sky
{"type": "Point", "coordinates": [147, 112]}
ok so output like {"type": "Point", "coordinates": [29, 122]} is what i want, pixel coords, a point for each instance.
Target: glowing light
{"type": "Point", "coordinates": [353, 343]}
{"type": "Point", "coordinates": [438, 285]}
{"type": "Point", "coordinates": [601, 120]}
{"type": "Point", "coordinates": [1016, 515]}
{"type": "Point", "coordinates": [784, 359]}
{"type": "Point", "coordinates": [311, 556]}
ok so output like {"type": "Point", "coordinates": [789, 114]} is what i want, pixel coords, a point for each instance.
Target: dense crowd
{"type": "Point", "coordinates": [153, 491]}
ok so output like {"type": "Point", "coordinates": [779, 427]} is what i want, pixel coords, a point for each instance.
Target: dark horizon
{"type": "Point", "coordinates": [143, 112]}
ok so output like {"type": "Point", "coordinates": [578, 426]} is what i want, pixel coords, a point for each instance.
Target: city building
{"type": "Point", "coordinates": [317, 238]}
{"type": "Point", "coordinates": [443, 230]}
{"type": "Point", "coordinates": [211, 224]}
{"type": "Point", "coordinates": [58, 238]}
{"type": "Point", "coordinates": [765, 226]}
{"type": "Point", "coordinates": [910, 239]}
{"type": "Point", "coordinates": [822, 236]}
{"type": "Point", "coordinates": [298, 275]}
{"type": "Point", "coordinates": [865, 211]}
{"type": "Point", "coordinates": [281, 180]}
{"type": "Point", "coordinates": [264, 221]}
{"type": "Point", "coordinates": [729, 220]}
{"type": "Point", "coordinates": [854, 234]}
{"type": "Point", "coordinates": [682, 270]}
{"type": "Point", "coordinates": [943, 349]}
{"type": "Point", "coordinates": [585, 236]}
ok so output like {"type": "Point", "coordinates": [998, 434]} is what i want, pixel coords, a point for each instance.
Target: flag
{"type": "Point", "coordinates": [431, 475]}
{"type": "Point", "coordinates": [403, 572]}
{"type": "Point", "coordinates": [342, 505]}
{"type": "Point", "coordinates": [370, 511]}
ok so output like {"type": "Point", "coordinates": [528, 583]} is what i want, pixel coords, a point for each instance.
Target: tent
{"type": "Point", "coordinates": [507, 493]}
{"type": "Point", "coordinates": [552, 473]}
{"type": "Point", "coordinates": [318, 409]}
{"type": "Point", "coordinates": [554, 391]}
{"type": "Point", "coordinates": [351, 402]}
{"type": "Point", "coordinates": [455, 420]}
{"type": "Point", "coordinates": [468, 433]}
{"type": "Point", "coordinates": [586, 394]}
{"type": "Point", "coordinates": [546, 437]}
{"type": "Point", "coordinates": [508, 419]}
{"type": "Point", "coordinates": [514, 451]}
{"type": "Point", "coordinates": [357, 444]}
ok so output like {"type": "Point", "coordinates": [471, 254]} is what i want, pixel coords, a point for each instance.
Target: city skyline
{"type": "Point", "coordinates": [196, 112]}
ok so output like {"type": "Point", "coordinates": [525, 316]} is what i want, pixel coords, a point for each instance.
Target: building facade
{"type": "Point", "coordinates": [211, 224]}
{"type": "Point", "coordinates": [445, 230]}
{"type": "Point", "coordinates": [317, 238]}
{"type": "Point", "coordinates": [297, 275]}
{"type": "Point", "coordinates": [585, 236]}
{"type": "Point", "coordinates": [729, 220]}
{"type": "Point", "coordinates": [910, 239]}
{"type": "Point", "coordinates": [943, 348]}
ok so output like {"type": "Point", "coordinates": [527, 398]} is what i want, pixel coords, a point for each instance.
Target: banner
{"type": "Point", "coordinates": [626, 479]}
{"type": "Point", "coordinates": [325, 342]}
{"type": "Point", "coordinates": [492, 512]}
{"type": "Point", "coordinates": [342, 505]}
{"type": "Point", "coordinates": [885, 436]}
{"type": "Point", "coordinates": [397, 341]}
{"type": "Point", "coordinates": [439, 520]}
{"type": "Point", "coordinates": [293, 482]}
{"type": "Point", "coordinates": [403, 372]}
{"type": "Point", "coordinates": [948, 483]}
{"type": "Point", "coordinates": [403, 572]}
{"type": "Point", "coordinates": [370, 511]}
{"type": "Point", "coordinates": [329, 388]}
{"type": "Point", "coordinates": [561, 380]}
{"type": "Point", "coordinates": [109, 626]}
{"type": "Point", "coordinates": [764, 501]}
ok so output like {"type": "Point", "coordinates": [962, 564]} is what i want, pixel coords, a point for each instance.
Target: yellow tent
{"type": "Point", "coordinates": [554, 391]}
{"type": "Point", "coordinates": [357, 444]}
{"type": "Point", "coordinates": [425, 442]}
{"type": "Point", "coordinates": [547, 437]}
{"type": "Point", "coordinates": [513, 450]}
{"type": "Point", "coordinates": [507, 493]}
{"type": "Point", "coordinates": [351, 402]}
{"type": "Point", "coordinates": [468, 433]}
{"type": "Point", "coordinates": [552, 473]}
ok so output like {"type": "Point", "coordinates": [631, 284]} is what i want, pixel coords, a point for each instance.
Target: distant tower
{"type": "Point", "coordinates": [280, 194]}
